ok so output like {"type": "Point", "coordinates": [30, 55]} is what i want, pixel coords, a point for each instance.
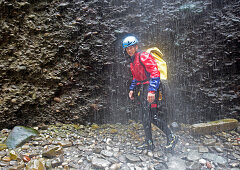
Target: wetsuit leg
{"type": "Point", "coordinates": [156, 120]}
{"type": "Point", "coordinates": [145, 111]}
{"type": "Point", "coordinates": [146, 119]}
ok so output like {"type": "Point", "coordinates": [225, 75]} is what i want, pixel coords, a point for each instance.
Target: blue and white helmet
{"type": "Point", "coordinates": [129, 41]}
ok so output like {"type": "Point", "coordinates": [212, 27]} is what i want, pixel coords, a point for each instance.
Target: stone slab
{"type": "Point", "coordinates": [214, 126]}
{"type": "Point", "coordinates": [19, 135]}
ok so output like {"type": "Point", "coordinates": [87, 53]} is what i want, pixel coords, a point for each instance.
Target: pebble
{"type": "Point", "coordinates": [235, 164]}
{"type": "Point", "coordinates": [209, 165]}
{"type": "Point", "coordinates": [4, 164]}
{"type": "Point", "coordinates": [218, 149]}
{"type": "Point", "coordinates": [236, 156]}
{"type": "Point", "coordinates": [209, 142]}
{"type": "Point", "coordinates": [150, 153]}
{"type": "Point", "coordinates": [6, 159]}
{"type": "Point", "coordinates": [202, 161]}
{"type": "Point", "coordinates": [107, 153]}
{"type": "Point", "coordinates": [25, 147]}
{"type": "Point", "coordinates": [203, 149]}
{"type": "Point", "coordinates": [26, 158]}
{"type": "Point", "coordinates": [132, 158]}
{"type": "Point", "coordinates": [100, 163]}
{"type": "Point", "coordinates": [115, 166]}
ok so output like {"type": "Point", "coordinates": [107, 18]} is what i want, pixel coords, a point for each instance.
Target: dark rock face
{"type": "Point", "coordinates": [62, 60]}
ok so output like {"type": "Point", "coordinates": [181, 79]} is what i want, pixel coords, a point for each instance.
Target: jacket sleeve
{"type": "Point", "coordinates": [152, 69]}
{"type": "Point", "coordinates": [133, 84]}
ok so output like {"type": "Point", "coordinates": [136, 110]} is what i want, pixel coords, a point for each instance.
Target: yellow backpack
{"type": "Point", "coordinates": [162, 65]}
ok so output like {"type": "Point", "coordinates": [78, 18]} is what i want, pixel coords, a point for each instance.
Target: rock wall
{"type": "Point", "coordinates": [52, 63]}
{"type": "Point", "coordinates": [62, 60]}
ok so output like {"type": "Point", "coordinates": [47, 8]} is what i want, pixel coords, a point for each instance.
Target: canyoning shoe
{"type": "Point", "coordinates": [147, 146]}
{"type": "Point", "coordinates": [171, 143]}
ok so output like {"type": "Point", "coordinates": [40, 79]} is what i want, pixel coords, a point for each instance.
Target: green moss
{"type": "Point", "coordinates": [3, 146]}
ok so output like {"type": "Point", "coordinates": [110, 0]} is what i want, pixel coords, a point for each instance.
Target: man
{"type": "Point", "coordinates": [145, 89]}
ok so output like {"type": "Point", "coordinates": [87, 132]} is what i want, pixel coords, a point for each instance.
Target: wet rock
{"type": "Point", "coordinates": [6, 159]}
{"type": "Point", "coordinates": [193, 156]}
{"type": "Point", "coordinates": [3, 146]}
{"type": "Point", "coordinates": [215, 158]}
{"type": "Point", "coordinates": [150, 154]}
{"type": "Point", "coordinates": [63, 6]}
{"type": "Point", "coordinates": [109, 141]}
{"type": "Point", "coordinates": [13, 163]}
{"type": "Point", "coordinates": [218, 149]}
{"type": "Point", "coordinates": [36, 164]}
{"type": "Point", "coordinates": [132, 158]}
{"type": "Point", "coordinates": [235, 165]}
{"type": "Point", "coordinates": [125, 167]}
{"type": "Point", "coordinates": [107, 153]}
{"type": "Point", "coordinates": [25, 147]}
{"type": "Point", "coordinates": [94, 126]}
{"type": "Point", "coordinates": [57, 162]}
{"type": "Point", "coordinates": [3, 153]}
{"type": "Point", "coordinates": [160, 166]}
{"type": "Point", "coordinates": [3, 164]}
{"type": "Point", "coordinates": [194, 165]}
{"type": "Point", "coordinates": [175, 126]}
{"type": "Point", "coordinates": [52, 152]}
{"type": "Point", "coordinates": [115, 166]}
{"type": "Point", "coordinates": [202, 161]}
{"type": "Point", "coordinates": [97, 150]}
{"type": "Point", "coordinates": [237, 156]}
{"type": "Point", "coordinates": [203, 149]}
{"type": "Point", "coordinates": [238, 128]}
{"type": "Point", "coordinates": [122, 158]}
{"type": "Point", "coordinates": [176, 163]}
{"type": "Point", "coordinates": [100, 163]}
{"type": "Point", "coordinates": [26, 158]}
{"type": "Point", "coordinates": [209, 165]}
{"type": "Point", "coordinates": [19, 135]}
{"type": "Point", "coordinates": [57, 99]}
{"type": "Point", "coordinates": [215, 126]}
{"type": "Point", "coordinates": [209, 142]}
{"type": "Point", "coordinates": [13, 155]}
{"type": "Point", "coordinates": [65, 143]}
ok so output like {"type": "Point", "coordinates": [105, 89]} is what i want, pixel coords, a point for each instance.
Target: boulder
{"type": "Point", "coordinates": [19, 135]}
{"type": "Point", "coordinates": [214, 126]}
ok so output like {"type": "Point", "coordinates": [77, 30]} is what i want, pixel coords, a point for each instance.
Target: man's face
{"type": "Point", "coordinates": [132, 50]}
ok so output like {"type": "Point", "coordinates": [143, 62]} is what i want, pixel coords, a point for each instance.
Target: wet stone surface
{"type": "Point", "coordinates": [73, 146]}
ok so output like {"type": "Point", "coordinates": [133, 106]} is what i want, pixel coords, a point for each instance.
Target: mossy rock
{"type": "Point", "coordinates": [19, 135]}
{"type": "Point", "coordinates": [214, 126]}
{"type": "Point", "coordinates": [3, 146]}
{"type": "Point", "coordinates": [113, 131]}
{"type": "Point", "coordinates": [95, 126]}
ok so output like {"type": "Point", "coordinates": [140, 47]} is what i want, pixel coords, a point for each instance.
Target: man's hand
{"type": "Point", "coordinates": [131, 95]}
{"type": "Point", "coordinates": [150, 97]}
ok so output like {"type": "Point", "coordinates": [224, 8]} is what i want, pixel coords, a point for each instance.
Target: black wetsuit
{"type": "Point", "coordinates": [149, 112]}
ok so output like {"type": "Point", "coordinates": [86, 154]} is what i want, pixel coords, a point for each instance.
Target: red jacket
{"type": "Point", "coordinates": [144, 71]}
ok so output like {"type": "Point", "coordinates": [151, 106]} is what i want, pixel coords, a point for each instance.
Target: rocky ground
{"type": "Point", "coordinates": [113, 146]}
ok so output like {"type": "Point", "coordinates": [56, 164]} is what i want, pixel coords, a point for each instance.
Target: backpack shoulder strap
{"type": "Point", "coordinates": [140, 59]}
